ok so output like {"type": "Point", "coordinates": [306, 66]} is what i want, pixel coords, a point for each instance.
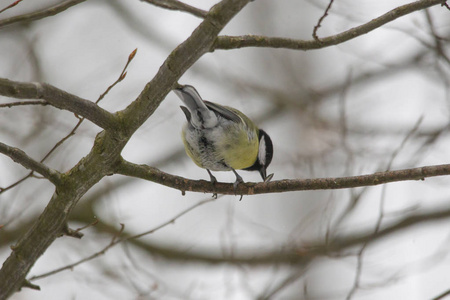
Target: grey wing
{"type": "Point", "coordinates": [223, 111]}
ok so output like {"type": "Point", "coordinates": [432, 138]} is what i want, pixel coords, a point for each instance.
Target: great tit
{"type": "Point", "coordinates": [221, 138]}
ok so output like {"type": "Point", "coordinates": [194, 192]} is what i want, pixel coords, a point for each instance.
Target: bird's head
{"type": "Point", "coordinates": [264, 158]}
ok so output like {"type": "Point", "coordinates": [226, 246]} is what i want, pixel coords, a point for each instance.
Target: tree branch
{"type": "Point", "coordinates": [280, 186]}
{"type": "Point", "coordinates": [108, 144]}
{"type": "Point", "coordinates": [442, 295]}
{"type": "Point", "coordinates": [60, 99]}
{"type": "Point", "coordinates": [22, 103]}
{"type": "Point", "coordinates": [319, 23]}
{"type": "Point", "coordinates": [22, 158]}
{"type": "Point", "coordinates": [11, 5]}
{"type": "Point", "coordinates": [180, 6]}
{"type": "Point", "coordinates": [235, 42]}
{"type": "Point", "coordinates": [182, 58]}
{"type": "Point", "coordinates": [51, 11]}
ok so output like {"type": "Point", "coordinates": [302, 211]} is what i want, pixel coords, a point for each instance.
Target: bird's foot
{"type": "Point", "coordinates": [213, 182]}
{"type": "Point", "coordinates": [236, 183]}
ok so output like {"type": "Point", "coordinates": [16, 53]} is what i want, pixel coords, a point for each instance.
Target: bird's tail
{"type": "Point", "coordinates": [201, 116]}
{"type": "Point", "coordinates": [190, 97]}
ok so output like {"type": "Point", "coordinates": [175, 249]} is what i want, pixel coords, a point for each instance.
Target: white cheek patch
{"type": "Point", "coordinates": [262, 152]}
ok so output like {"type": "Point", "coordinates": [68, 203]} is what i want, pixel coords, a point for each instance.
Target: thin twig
{"type": "Point", "coordinates": [51, 11]}
{"type": "Point", "coordinates": [438, 47]}
{"type": "Point", "coordinates": [93, 223]}
{"type": "Point", "coordinates": [97, 254]}
{"type": "Point", "coordinates": [81, 119]}
{"type": "Point", "coordinates": [61, 141]}
{"type": "Point", "coordinates": [77, 232]}
{"type": "Point", "coordinates": [21, 103]}
{"type": "Point", "coordinates": [180, 6]}
{"type": "Point", "coordinates": [122, 76]}
{"type": "Point", "coordinates": [444, 294]}
{"type": "Point", "coordinates": [116, 240]}
{"type": "Point", "coordinates": [10, 6]}
{"type": "Point", "coordinates": [2, 190]}
{"type": "Point", "coordinates": [286, 282]}
{"type": "Point", "coordinates": [319, 23]}
{"type": "Point", "coordinates": [360, 256]}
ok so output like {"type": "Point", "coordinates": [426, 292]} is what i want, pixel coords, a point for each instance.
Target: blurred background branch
{"type": "Point", "coordinates": [38, 15]}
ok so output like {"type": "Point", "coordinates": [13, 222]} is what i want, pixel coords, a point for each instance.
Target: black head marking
{"type": "Point", "coordinates": [265, 154]}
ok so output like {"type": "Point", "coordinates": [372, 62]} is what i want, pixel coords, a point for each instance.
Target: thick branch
{"type": "Point", "coordinates": [51, 11]}
{"type": "Point", "coordinates": [179, 61]}
{"type": "Point", "coordinates": [22, 158]}
{"type": "Point", "coordinates": [108, 144]}
{"type": "Point", "coordinates": [52, 222]}
{"type": "Point", "coordinates": [59, 99]}
{"type": "Point", "coordinates": [234, 42]}
{"type": "Point", "coordinates": [280, 186]}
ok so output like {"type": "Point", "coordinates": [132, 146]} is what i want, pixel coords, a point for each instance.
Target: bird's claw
{"type": "Point", "coordinates": [236, 183]}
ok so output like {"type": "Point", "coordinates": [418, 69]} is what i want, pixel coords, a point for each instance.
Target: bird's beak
{"type": "Point", "coordinates": [266, 178]}
{"type": "Point", "coordinates": [262, 171]}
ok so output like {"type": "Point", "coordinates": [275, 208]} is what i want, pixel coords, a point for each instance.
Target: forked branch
{"type": "Point", "coordinates": [235, 42]}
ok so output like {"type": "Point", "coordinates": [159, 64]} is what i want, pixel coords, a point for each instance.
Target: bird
{"type": "Point", "coordinates": [221, 138]}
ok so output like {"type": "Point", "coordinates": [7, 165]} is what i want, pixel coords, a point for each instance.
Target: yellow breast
{"type": "Point", "coordinates": [240, 151]}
